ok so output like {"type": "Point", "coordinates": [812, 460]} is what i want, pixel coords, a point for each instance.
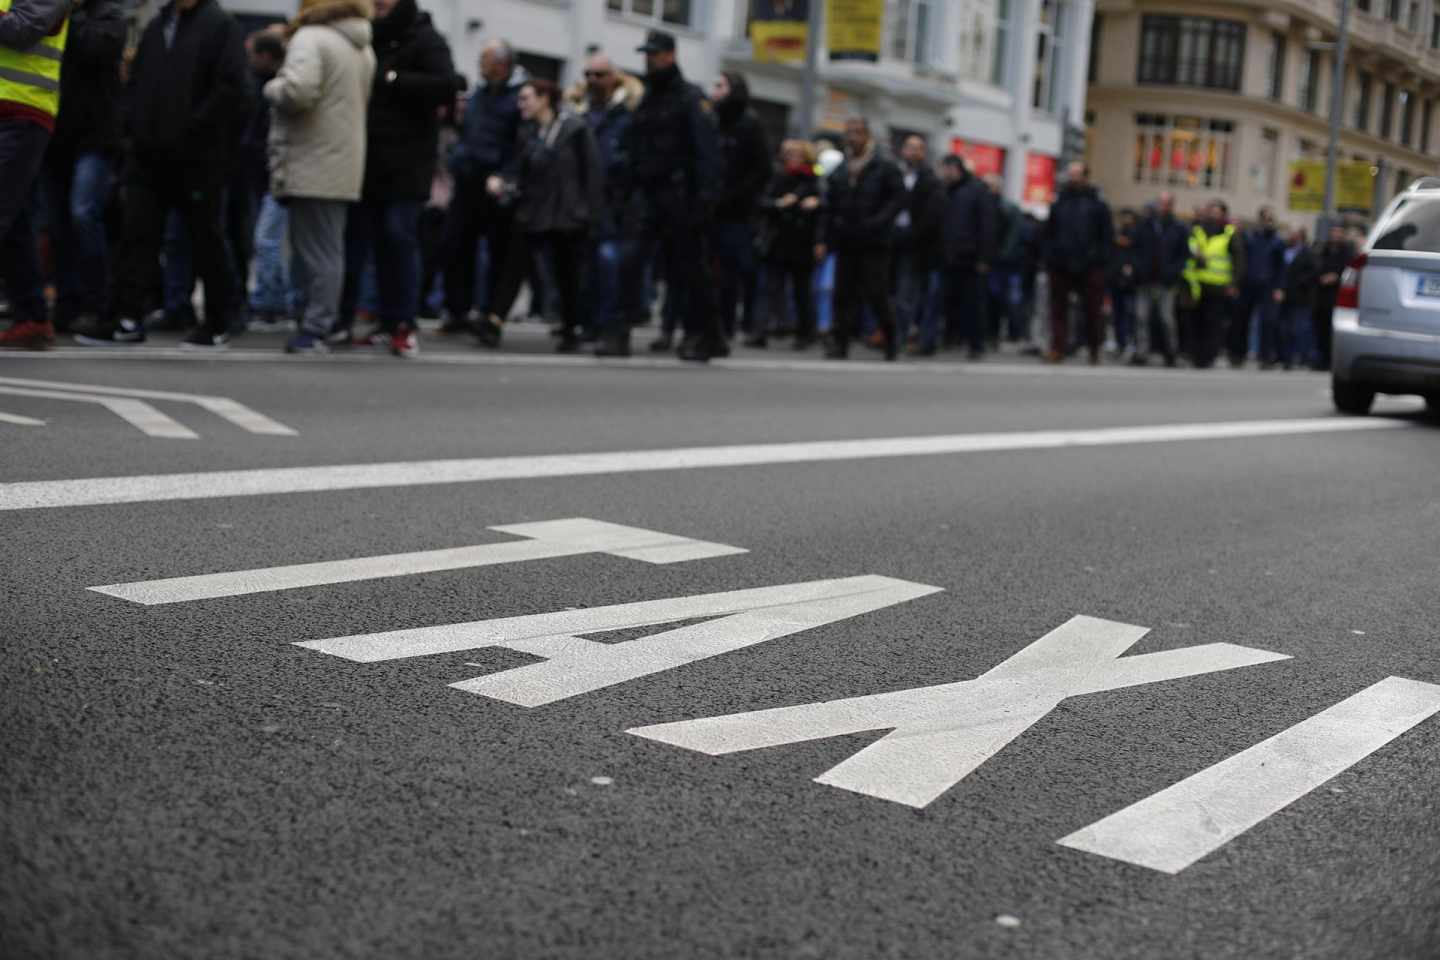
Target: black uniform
{"type": "Point", "coordinates": [669, 195]}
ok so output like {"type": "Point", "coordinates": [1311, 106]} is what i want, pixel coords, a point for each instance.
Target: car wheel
{"type": "Point", "coordinates": [1350, 398]}
{"type": "Point", "coordinates": [1432, 405]}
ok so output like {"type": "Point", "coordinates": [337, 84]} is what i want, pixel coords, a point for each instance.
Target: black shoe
{"type": "Point", "coordinates": [833, 352]}
{"type": "Point", "coordinates": [488, 333]}
{"type": "Point", "coordinates": [692, 350]}
{"type": "Point", "coordinates": [125, 332]}
{"type": "Point", "coordinates": [974, 353]}
{"type": "Point", "coordinates": [567, 343]}
{"type": "Point", "coordinates": [759, 343]}
{"type": "Point", "coordinates": [613, 347]}
{"type": "Point", "coordinates": [718, 350]}
{"type": "Point", "coordinates": [206, 339]}
{"type": "Point", "coordinates": [803, 343]}
{"type": "Point", "coordinates": [662, 344]}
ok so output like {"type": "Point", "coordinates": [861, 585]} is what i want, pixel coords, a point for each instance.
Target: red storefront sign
{"type": "Point", "coordinates": [983, 159]}
{"type": "Point", "coordinates": [1039, 178]}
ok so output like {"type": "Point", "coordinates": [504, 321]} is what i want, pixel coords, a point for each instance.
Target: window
{"type": "Point", "coordinates": [1392, 10]}
{"type": "Point", "coordinates": [1191, 51]}
{"type": "Point", "coordinates": [982, 36]}
{"type": "Point", "coordinates": [1182, 151]}
{"type": "Point", "coordinates": [1310, 82]}
{"type": "Point", "coordinates": [1092, 70]}
{"type": "Point", "coordinates": [1427, 114]}
{"type": "Point", "coordinates": [1362, 103]}
{"type": "Point", "coordinates": [1263, 170]}
{"type": "Point", "coordinates": [1412, 16]}
{"type": "Point", "coordinates": [1275, 68]}
{"type": "Point", "coordinates": [1363, 5]}
{"type": "Point", "coordinates": [1387, 111]}
{"type": "Point", "coordinates": [911, 22]}
{"type": "Point", "coordinates": [1415, 225]}
{"type": "Point", "coordinates": [999, 64]}
{"type": "Point", "coordinates": [1407, 117]}
{"type": "Point", "coordinates": [1435, 31]}
{"type": "Point", "coordinates": [1402, 180]}
{"type": "Point", "coordinates": [1050, 42]}
{"type": "Point", "coordinates": [679, 13]}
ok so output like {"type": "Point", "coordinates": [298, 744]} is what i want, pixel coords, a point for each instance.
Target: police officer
{"type": "Point", "coordinates": [1215, 273]}
{"type": "Point", "coordinates": [669, 192]}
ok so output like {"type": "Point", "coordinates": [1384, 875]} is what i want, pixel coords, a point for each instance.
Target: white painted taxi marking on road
{"type": "Point", "coordinates": [227, 409]}
{"type": "Point", "coordinates": [939, 735]}
{"type": "Point", "coordinates": [1170, 830]}
{"type": "Point", "coordinates": [20, 421]}
{"type": "Point", "coordinates": [574, 665]}
{"type": "Point", "coordinates": [546, 540]}
{"type": "Point", "coordinates": [30, 495]}
{"type": "Point", "coordinates": [140, 415]}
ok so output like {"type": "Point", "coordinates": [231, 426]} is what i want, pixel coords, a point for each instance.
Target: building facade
{"type": "Point", "coordinates": [1218, 99]}
{"type": "Point", "coordinates": [991, 78]}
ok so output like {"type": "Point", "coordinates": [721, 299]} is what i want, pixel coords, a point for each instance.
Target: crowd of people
{"type": "Point", "coordinates": [332, 177]}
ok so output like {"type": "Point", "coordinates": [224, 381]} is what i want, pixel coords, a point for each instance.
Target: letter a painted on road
{"type": "Point", "coordinates": [574, 665]}
{"type": "Point", "coordinates": [939, 735]}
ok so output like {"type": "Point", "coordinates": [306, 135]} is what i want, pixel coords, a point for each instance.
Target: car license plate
{"type": "Point", "coordinates": [1429, 286]}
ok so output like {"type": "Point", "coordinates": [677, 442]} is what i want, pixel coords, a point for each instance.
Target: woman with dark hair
{"type": "Point", "coordinates": [787, 237]}
{"type": "Point", "coordinates": [745, 168]}
{"type": "Point", "coordinates": [558, 193]}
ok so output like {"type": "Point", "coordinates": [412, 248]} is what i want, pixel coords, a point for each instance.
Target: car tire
{"type": "Point", "coordinates": [1350, 398]}
{"type": "Point", "coordinates": [1432, 405]}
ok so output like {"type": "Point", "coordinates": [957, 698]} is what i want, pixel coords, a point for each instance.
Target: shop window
{"type": "Point", "coordinates": [1183, 151]}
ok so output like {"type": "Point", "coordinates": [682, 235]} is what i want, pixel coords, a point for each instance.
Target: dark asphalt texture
{"type": "Point", "coordinates": [182, 781]}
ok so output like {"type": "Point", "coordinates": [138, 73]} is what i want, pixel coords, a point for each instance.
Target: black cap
{"type": "Point", "coordinates": [657, 41]}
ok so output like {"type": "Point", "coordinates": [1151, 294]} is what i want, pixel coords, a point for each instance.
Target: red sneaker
{"type": "Point", "coordinates": [404, 343]}
{"type": "Point", "coordinates": [28, 335]}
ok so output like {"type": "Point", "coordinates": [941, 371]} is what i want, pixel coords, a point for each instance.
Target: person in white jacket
{"type": "Point", "coordinates": [317, 149]}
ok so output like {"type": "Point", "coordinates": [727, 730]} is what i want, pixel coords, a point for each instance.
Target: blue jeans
{"type": "Point", "coordinates": [1007, 294]}
{"type": "Point", "coordinates": [1123, 304]}
{"type": "Point", "coordinates": [1297, 337]}
{"type": "Point", "coordinates": [825, 294]}
{"type": "Point", "coordinates": [387, 233]}
{"type": "Point", "coordinates": [178, 279]}
{"type": "Point", "coordinates": [78, 191]}
{"type": "Point", "coordinates": [739, 276]}
{"type": "Point", "coordinates": [273, 293]}
{"type": "Point", "coordinates": [603, 298]}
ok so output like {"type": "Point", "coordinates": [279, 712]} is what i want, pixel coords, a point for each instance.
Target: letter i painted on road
{"type": "Point", "coordinates": [574, 665]}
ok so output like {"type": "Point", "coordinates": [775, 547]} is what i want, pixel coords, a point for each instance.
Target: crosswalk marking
{"type": "Point", "coordinates": [227, 409]}
{"type": "Point", "coordinates": [575, 665]}
{"type": "Point", "coordinates": [39, 494]}
{"type": "Point", "coordinates": [137, 413]}
{"type": "Point", "coordinates": [19, 421]}
{"type": "Point", "coordinates": [545, 540]}
{"type": "Point", "coordinates": [1170, 830]}
{"type": "Point", "coordinates": [939, 735]}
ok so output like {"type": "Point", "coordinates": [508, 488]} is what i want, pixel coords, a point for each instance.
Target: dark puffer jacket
{"type": "Point", "coordinates": [414, 78]}
{"type": "Point", "coordinates": [1080, 234]}
{"type": "Point", "coordinates": [90, 79]}
{"type": "Point", "coordinates": [792, 231]}
{"type": "Point", "coordinates": [744, 155]}
{"type": "Point", "coordinates": [967, 231]}
{"type": "Point", "coordinates": [491, 129]}
{"type": "Point", "coordinates": [861, 211]}
{"type": "Point", "coordinates": [560, 182]}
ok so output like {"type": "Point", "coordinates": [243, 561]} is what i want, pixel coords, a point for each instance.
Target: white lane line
{"type": "Point", "coordinates": [31, 495]}
{"type": "Point", "coordinates": [137, 413]}
{"type": "Point", "coordinates": [547, 539]}
{"type": "Point", "coordinates": [20, 421]}
{"type": "Point", "coordinates": [223, 407]}
{"type": "Point", "coordinates": [1170, 830]}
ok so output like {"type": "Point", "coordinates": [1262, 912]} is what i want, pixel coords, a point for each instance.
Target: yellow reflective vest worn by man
{"type": "Point", "coordinates": [1215, 272]}
{"type": "Point", "coordinates": [32, 44]}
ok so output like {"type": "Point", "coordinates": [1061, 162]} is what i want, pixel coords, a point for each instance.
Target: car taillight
{"type": "Point", "coordinates": [1349, 294]}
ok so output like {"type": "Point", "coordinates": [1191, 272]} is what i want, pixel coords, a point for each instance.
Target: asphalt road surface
{"type": "Point", "coordinates": [1197, 610]}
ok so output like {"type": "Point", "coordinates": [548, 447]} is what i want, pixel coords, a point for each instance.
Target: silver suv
{"type": "Point", "coordinates": [1387, 310]}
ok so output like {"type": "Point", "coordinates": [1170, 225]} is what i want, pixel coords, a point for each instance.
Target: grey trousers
{"type": "Point", "coordinates": [1161, 300]}
{"type": "Point", "coordinates": [317, 242]}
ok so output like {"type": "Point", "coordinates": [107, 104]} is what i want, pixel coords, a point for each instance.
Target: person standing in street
{"type": "Point", "coordinates": [1332, 259]}
{"type": "Point", "coordinates": [1079, 242]}
{"type": "Point", "coordinates": [744, 171]}
{"type": "Point", "coordinates": [1261, 296]}
{"type": "Point", "coordinates": [1301, 274]}
{"type": "Point", "coordinates": [863, 198]}
{"type": "Point", "coordinates": [559, 196]}
{"type": "Point", "coordinates": [1124, 271]}
{"type": "Point", "coordinates": [489, 134]}
{"type": "Point", "coordinates": [317, 149]}
{"type": "Point", "coordinates": [669, 196]}
{"type": "Point", "coordinates": [1216, 272]}
{"type": "Point", "coordinates": [1161, 250]}
{"type": "Point", "coordinates": [789, 231]}
{"type": "Point", "coordinates": [967, 249]}
{"type": "Point", "coordinates": [272, 300]}
{"type": "Point", "coordinates": [414, 79]}
{"type": "Point", "coordinates": [917, 234]}
{"type": "Point", "coordinates": [1004, 306]}
{"type": "Point", "coordinates": [188, 82]}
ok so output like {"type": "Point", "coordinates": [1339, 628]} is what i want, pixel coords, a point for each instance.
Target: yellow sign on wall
{"type": "Point", "coordinates": [779, 30]}
{"type": "Point", "coordinates": [855, 28]}
{"type": "Point", "coordinates": [1354, 186]}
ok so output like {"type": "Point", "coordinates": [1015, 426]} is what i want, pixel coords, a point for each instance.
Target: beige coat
{"type": "Point", "coordinates": [318, 101]}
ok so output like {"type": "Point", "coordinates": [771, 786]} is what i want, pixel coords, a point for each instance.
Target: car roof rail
{"type": "Point", "coordinates": [1426, 183]}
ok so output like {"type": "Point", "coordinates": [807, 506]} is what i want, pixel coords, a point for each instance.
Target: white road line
{"type": "Point", "coordinates": [137, 413]}
{"type": "Point", "coordinates": [31, 495]}
{"type": "Point", "coordinates": [1170, 830]}
{"type": "Point", "coordinates": [20, 421]}
{"type": "Point", "coordinates": [223, 407]}
{"type": "Point", "coordinates": [547, 539]}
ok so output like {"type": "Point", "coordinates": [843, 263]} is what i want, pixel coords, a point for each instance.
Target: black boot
{"type": "Point", "coordinates": [613, 345]}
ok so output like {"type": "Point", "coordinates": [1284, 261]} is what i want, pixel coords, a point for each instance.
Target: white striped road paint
{"type": "Point", "coordinates": [574, 665]}
{"type": "Point", "coordinates": [29, 495]}
{"type": "Point", "coordinates": [939, 735]}
{"type": "Point", "coordinates": [139, 414]}
{"type": "Point", "coordinates": [237, 413]}
{"type": "Point", "coordinates": [546, 540]}
{"type": "Point", "coordinates": [20, 421]}
{"type": "Point", "coordinates": [1172, 829]}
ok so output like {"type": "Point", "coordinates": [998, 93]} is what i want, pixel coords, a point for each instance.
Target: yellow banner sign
{"type": "Point", "coordinates": [779, 30]}
{"type": "Point", "coordinates": [1354, 186]}
{"type": "Point", "coordinates": [855, 28]}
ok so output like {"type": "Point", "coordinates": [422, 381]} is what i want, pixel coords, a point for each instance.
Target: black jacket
{"type": "Point", "coordinates": [182, 101]}
{"type": "Point", "coordinates": [1079, 234]}
{"type": "Point", "coordinates": [252, 157]}
{"type": "Point", "coordinates": [490, 133]}
{"type": "Point", "coordinates": [967, 231]}
{"type": "Point", "coordinates": [1127, 254]}
{"type": "Point", "coordinates": [89, 116]}
{"type": "Point", "coordinates": [1163, 247]}
{"type": "Point", "coordinates": [925, 202]}
{"type": "Point", "coordinates": [1331, 258]}
{"type": "Point", "coordinates": [1302, 273]}
{"type": "Point", "coordinates": [414, 78]}
{"type": "Point", "coordinates": [860, 213]}
{"type": "Point", "coordinates": [560, 180]}
{"type": "Point", "coordinates": [744, 160]}
{"type": "Point", "coordinates": [671, 146]}
{"type": "Point", "coordinates": [792, 232]}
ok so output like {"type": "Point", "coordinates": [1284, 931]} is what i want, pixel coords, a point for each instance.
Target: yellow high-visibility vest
{"type": "Point", "coordinates": [1218, 270]}
{"type": "Point", "coordinates": [32, 77]}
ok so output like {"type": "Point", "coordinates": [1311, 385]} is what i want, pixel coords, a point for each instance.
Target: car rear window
{"type": "Point", "coordinates": [1413, 225]}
